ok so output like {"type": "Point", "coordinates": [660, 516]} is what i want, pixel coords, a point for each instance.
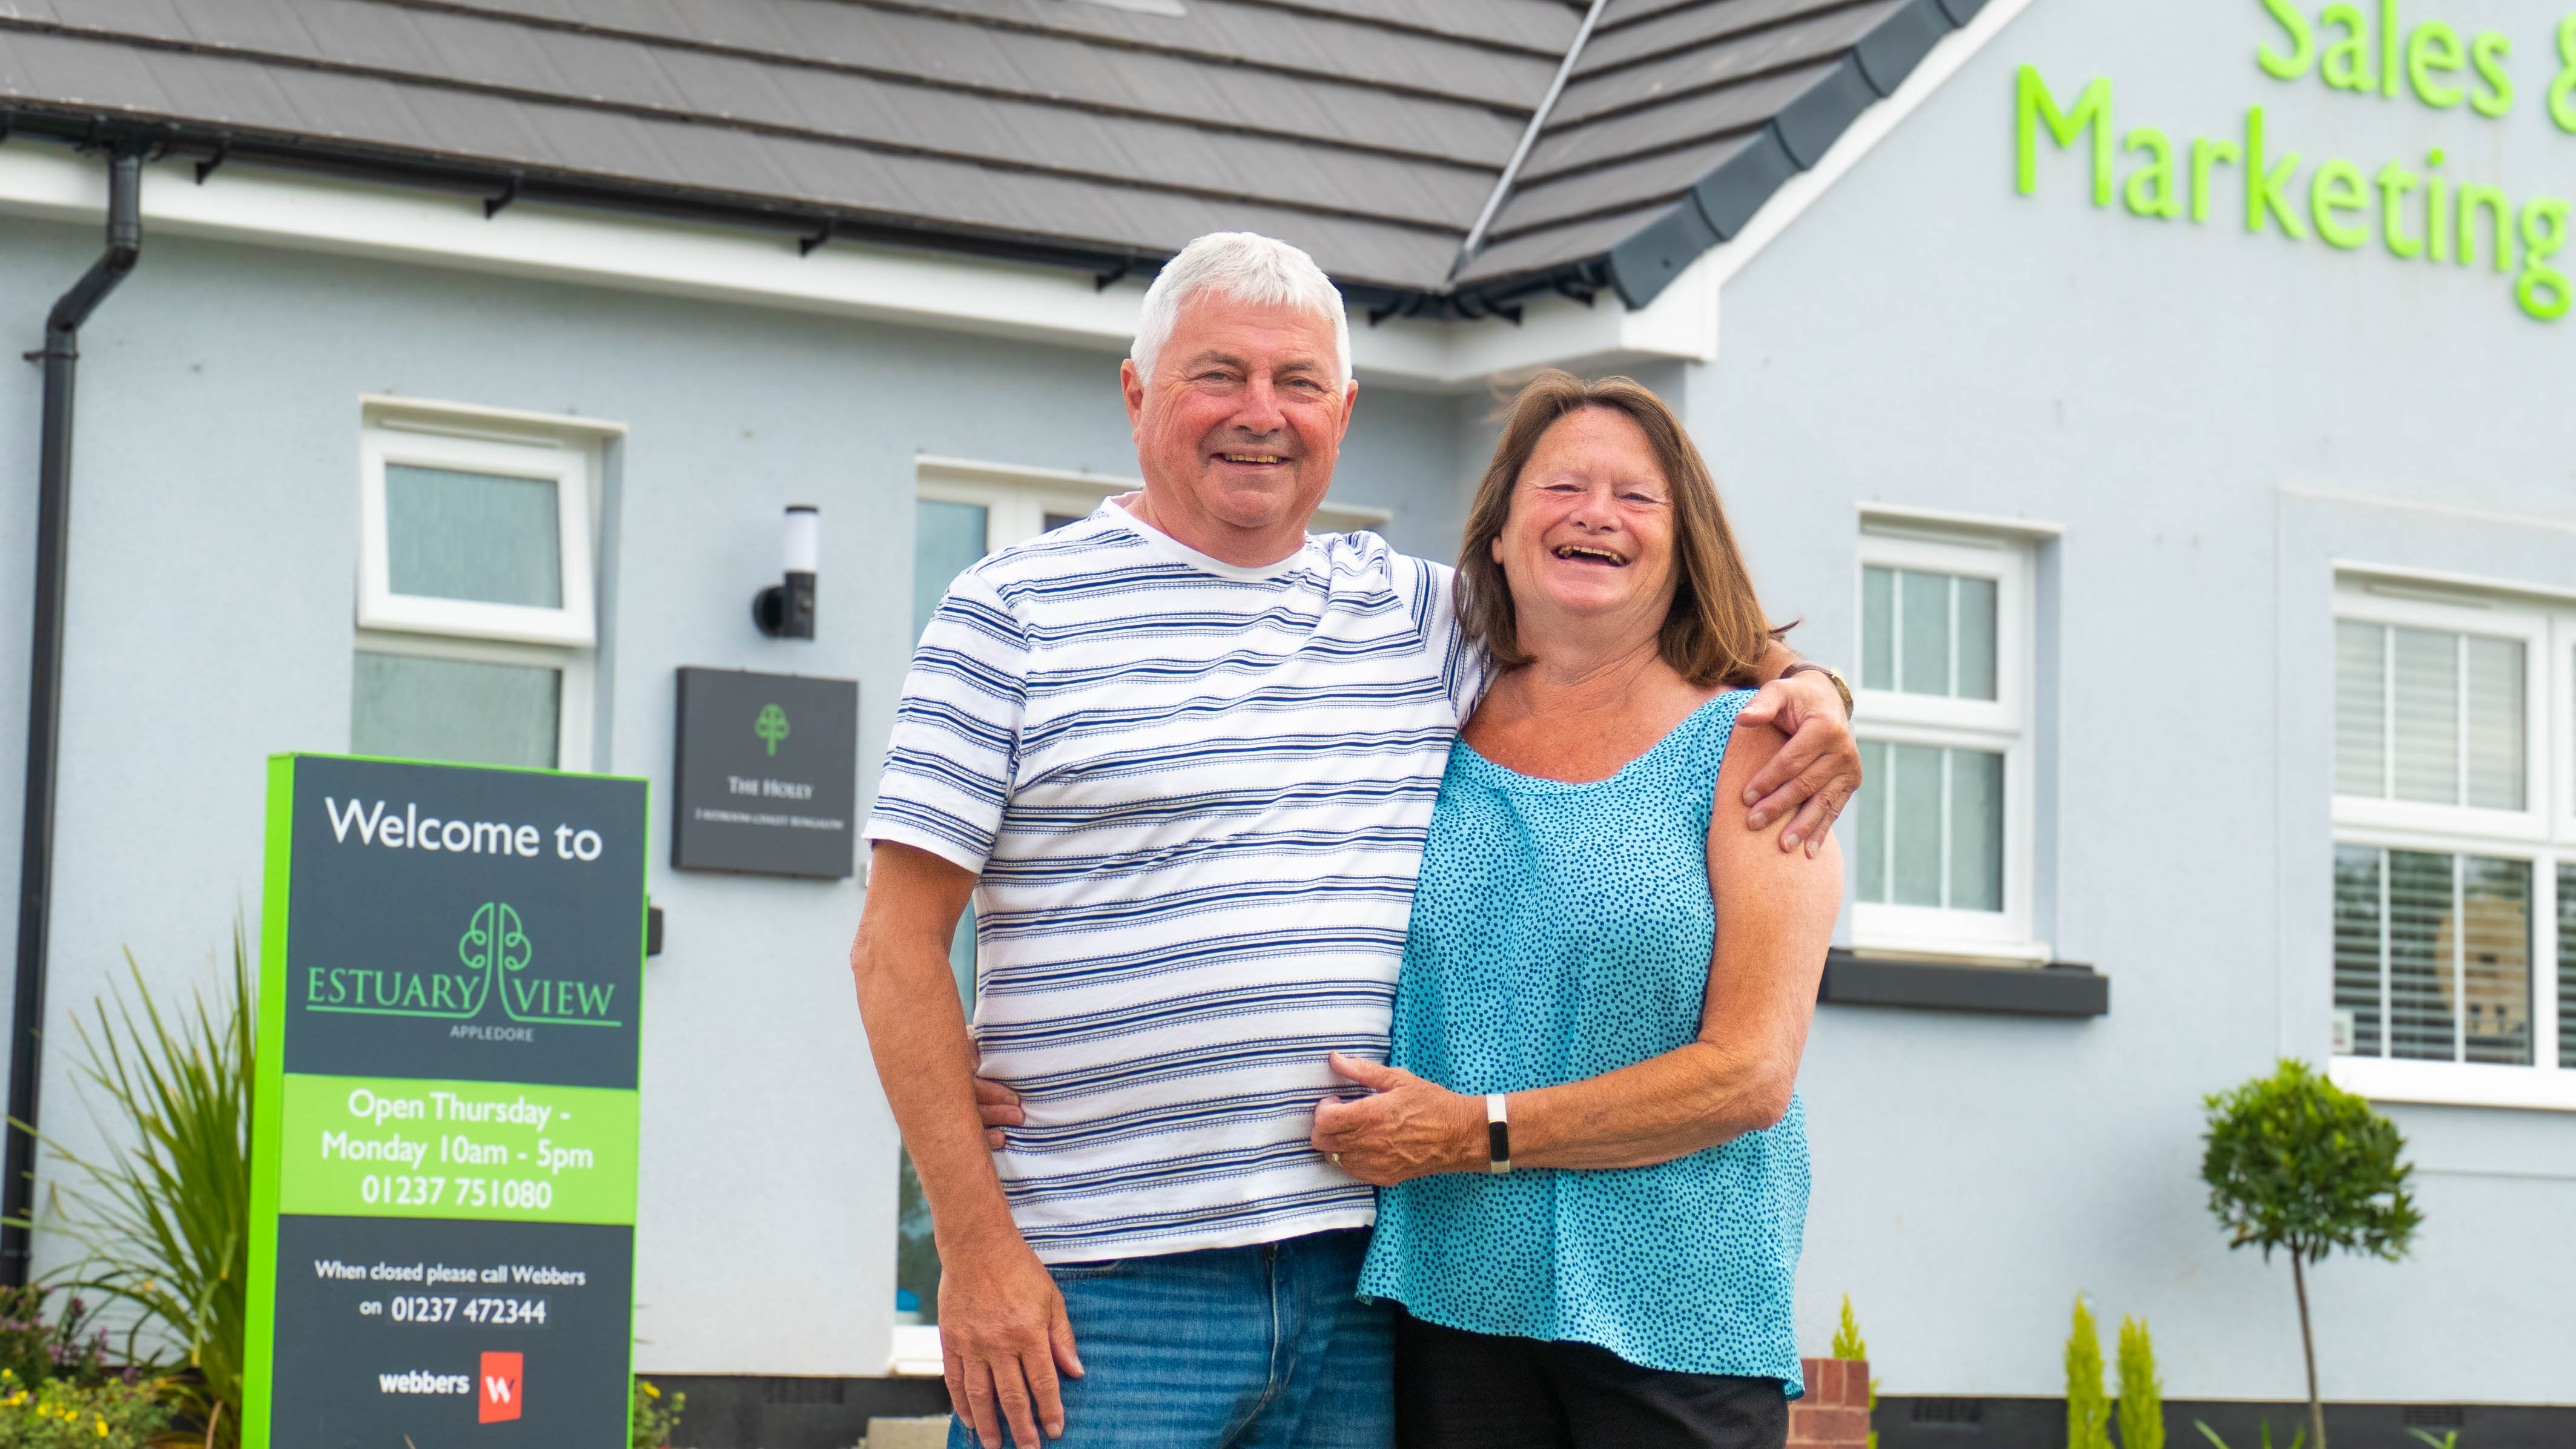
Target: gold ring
{"type": "Point", "coordinates": [1334, 1157]}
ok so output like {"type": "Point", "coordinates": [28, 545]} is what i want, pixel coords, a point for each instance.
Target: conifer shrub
{"type": "Point", "coordinates": [2088, 1406]}
{"type": "Point", "coordinates": [1850, 1345]}
{"type": "Point", "coordinates": [2142, 1399]}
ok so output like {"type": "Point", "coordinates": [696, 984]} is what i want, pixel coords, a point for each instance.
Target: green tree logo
{"type": "Point", "coordinates": [771, 726]}
{"type": "Point", "coordinates": [493, 938]}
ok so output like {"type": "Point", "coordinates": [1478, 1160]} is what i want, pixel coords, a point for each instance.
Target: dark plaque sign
{"type": "Point", "coordinates": [768, 773]}
{"type": "Point", "coordinates": [444, 1136]}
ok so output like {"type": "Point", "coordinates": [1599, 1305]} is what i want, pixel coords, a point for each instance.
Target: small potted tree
{"type": "Point", "coordinates": [2298, 1163]}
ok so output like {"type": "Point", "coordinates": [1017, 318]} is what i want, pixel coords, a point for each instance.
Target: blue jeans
{"type": "Point", "coordinates": [1265, 1347]}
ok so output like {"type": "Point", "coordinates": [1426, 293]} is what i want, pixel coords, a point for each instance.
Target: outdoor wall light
{"type": "Point", "coordinates": [786, 610]}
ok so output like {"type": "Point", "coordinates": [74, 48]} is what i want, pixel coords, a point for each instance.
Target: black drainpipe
{"type": "Point", "coordinates": [61, 356]}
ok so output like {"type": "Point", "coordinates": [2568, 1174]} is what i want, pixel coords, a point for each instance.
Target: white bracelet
{"type": "Point", "coordinates": [1498, 1135]}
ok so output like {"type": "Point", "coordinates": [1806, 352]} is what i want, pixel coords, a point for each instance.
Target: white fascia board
{"type": "Point", "coordinates": [595, 247]}
{"type": "Point", "coordinates": [1872, 126]}
{"type": "Point", "coordinates": [1679, 325]}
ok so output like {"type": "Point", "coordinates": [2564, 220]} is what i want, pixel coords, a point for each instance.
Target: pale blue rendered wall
{"type": "Point", "coordinates": [210, 623]}
{"type": "Point", "coordinates": [2174, 395]}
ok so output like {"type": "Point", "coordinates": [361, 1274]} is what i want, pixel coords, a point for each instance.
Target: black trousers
{"type": "Point", "coordinates": [1458, 1390]}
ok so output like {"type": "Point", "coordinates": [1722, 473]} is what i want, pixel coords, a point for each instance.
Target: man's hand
{"type": "Point", "coordinates": [1407, 1128]}
{"type": "Point", "coordinates": [999, 1106]}
{"type": "Point", "coordinates": [1819, 766]}
{"type": "Point", "coordinates": [1003, 1339]}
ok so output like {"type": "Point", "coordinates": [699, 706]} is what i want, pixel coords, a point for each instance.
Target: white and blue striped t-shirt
{"type": "Point", "coordinates": [1195, 797]}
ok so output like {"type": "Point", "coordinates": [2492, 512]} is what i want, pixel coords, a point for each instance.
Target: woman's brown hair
{"type": "Point", "coordinates": [1716, 631]}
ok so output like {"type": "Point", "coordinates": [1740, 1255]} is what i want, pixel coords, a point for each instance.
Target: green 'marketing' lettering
{"type": "Point", "coordinates": [2338, 198]}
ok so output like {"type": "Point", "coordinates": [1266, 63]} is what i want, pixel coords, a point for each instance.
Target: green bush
{"type": "Point", "coordinates": [62, 1414]}
{"type": "Point", "coordinates": [2142, 1399]}
{"type": "Point", "coordinates": [650, 1420]}
{"type": "Point", "coordinates": [34, 1349]}
{"type": "Point", "coordinates": [2088, 1408]}
{"type": "Point", "coordinates": [2296, 1162]}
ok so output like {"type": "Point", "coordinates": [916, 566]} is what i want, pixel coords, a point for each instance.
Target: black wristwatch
{"type": "Point", "coordinates": [1841, 685]}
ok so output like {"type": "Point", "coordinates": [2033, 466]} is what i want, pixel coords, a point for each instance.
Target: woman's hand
{"type": "Point", "coordinates": [1407, 1127]}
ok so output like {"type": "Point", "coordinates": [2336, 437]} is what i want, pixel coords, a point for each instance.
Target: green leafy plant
{"type": "Point", "coordinates": [2296, 1162]}
{"type": "Point", "coordinates": [2450, 1440]}
{"type": "Point", "coordinates": [652, 1416]}
{"type": "Point", "coordinates": [59, 1413]}
{"type": "Point", "coordinates": [2142, 1399]}
{"type": "Point", "coordinates": [2088, 1408]}
{"type": "Point", "coordinates": [33, 1349]}
{"type": "Point", "coordinates": [2211, 1435]}
{"type": "Point", "coordinates": [165, 1220]}
{"type": "Point", "coordinates": [1849, 1344]}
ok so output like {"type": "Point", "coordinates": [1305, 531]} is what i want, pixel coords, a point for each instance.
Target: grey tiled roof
{"type": "Point", "coordinates": [1102, 132]}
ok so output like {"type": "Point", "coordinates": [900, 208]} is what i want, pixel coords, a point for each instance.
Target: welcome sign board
{"type": "Point", "coordinates": [444, 1136]}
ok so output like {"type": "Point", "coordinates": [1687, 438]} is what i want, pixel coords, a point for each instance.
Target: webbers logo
{"type": "Point", "coordinates": [495, 952]}
{"type": "Point", "coordinates": [503, 1379]}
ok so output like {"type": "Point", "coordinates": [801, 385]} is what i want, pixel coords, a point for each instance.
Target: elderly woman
{"type": "Point", "coordinates": [1594, 1161]}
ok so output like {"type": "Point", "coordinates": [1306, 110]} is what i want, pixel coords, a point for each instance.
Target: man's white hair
{"type": "Point", "coordinates": [1247, 267]}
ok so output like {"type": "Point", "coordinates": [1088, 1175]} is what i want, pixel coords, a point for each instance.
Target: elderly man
{"type": "Point", "coordinates": [1182, 757]}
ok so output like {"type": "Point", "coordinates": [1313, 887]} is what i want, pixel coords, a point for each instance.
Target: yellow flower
{"type": "Point", "coordinates": [651, 1392]}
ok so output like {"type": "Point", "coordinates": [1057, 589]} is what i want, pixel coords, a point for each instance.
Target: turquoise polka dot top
{"type": "Point", "coordinates": [1561, 931]}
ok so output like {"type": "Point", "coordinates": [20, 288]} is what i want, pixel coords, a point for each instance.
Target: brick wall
{"type": "Point", "coordinates": [1835, 1412]}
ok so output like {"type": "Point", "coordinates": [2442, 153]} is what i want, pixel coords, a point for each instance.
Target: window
{"type": "Point", "coordinates": [1941, 828]}
{"type": "Point", "coordinates": [2453, 861]}
{"type": "Point", "coordinates": [476, 610]}
{"type": "Point", "coordinates": [963, 511]}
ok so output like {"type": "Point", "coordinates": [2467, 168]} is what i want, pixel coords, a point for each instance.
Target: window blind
{"type": "Point", "coordinates": [2433, 955]}
{"type": "Point", "coordinates": [2429, 717]}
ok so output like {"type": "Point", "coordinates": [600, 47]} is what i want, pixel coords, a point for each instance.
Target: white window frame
{"type": "Point", "coordinates": [2495, 620]}
{"type": "Point", "coordinates": [479, 440]}
{"type": "Point", "coordinates": [1017, 498]}
{"type": "Point", "coordinates": [2004, 725]}
{"type": "Point", "coordinates": [574, 692]}
{"type": "Point", "coordinates": [2542, 833]}
{"type": "Point", "coordinates": [490, 440]}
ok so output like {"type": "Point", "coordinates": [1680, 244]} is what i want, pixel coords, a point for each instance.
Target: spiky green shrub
{"type": "Point", "coordinates": [2142, 1399]}
{"type": "Point", "coordinates": [165, 1221]}
{"type": "Point", "coordinates": [2088, 1407]}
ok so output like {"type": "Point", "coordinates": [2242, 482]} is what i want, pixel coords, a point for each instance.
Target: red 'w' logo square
{"type": "Point", "coordinates": [500, 1379]}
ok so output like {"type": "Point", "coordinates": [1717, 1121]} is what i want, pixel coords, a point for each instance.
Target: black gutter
{"type": "Point", "coordinates": [61, 357]}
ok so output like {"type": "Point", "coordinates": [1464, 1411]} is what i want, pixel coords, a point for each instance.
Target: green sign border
{"type": "Point", "coordinates": [268, 1092]}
